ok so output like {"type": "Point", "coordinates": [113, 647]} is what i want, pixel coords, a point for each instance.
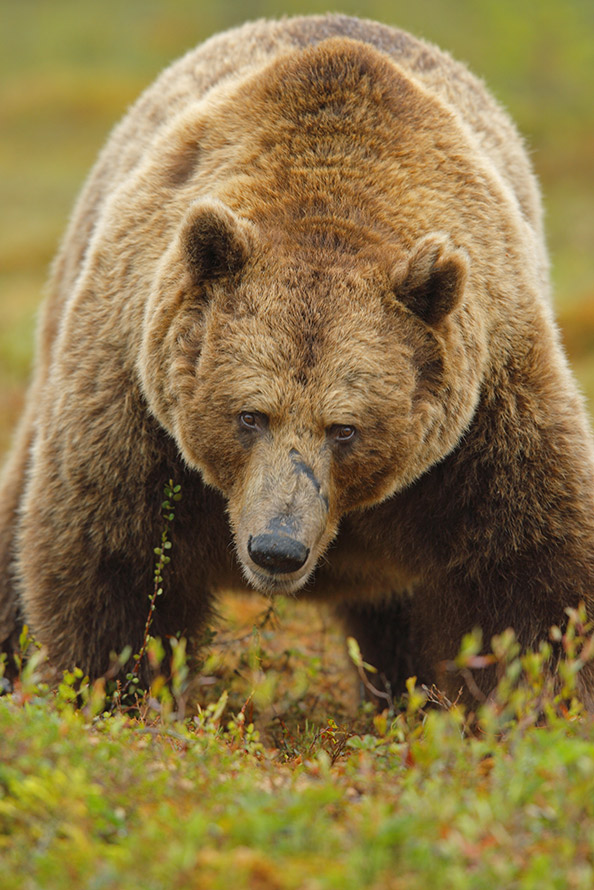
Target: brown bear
{"type": "Point", "coordinates": [306, 280]}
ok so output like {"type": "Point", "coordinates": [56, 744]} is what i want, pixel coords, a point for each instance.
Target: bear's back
{"type": "Point", "coordinates": [229, 57]}
{"type": "Point", "coordinates": [226, 60]}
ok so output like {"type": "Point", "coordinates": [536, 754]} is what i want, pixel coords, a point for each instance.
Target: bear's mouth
{"type": "Point", "coordinates": [271, 582]}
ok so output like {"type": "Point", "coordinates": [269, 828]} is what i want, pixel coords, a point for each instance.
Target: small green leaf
{"type": "Point", "coordinates": [354, 651]}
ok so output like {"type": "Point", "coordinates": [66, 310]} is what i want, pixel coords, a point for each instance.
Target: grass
{"type": "Point", "coordinates": [290, 787]}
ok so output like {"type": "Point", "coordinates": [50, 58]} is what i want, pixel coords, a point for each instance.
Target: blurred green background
{"type": "Point", "coordinates": [69, 70]}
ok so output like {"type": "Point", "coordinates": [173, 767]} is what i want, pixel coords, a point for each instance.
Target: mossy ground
{"type": "Point", "coordinates": [281, 781]}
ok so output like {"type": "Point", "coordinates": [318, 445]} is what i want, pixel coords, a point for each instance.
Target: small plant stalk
{"type": "Point", "coordinates": [172, 495]}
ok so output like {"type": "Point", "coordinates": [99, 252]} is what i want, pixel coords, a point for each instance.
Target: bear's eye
{"type": "Point", "coordinates": [252, 420]}
{"type": "Point", "coordinates": [342, 433]}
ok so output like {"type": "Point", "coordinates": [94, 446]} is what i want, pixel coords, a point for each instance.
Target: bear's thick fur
{"type": "Point", "coordinates": [306, 280]}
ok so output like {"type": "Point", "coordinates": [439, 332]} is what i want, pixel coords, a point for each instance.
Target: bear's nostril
{"type": "Point", "coordinates": [279, 554]}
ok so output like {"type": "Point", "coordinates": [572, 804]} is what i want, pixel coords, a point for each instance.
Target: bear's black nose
{"type": "Point", "coordinates": [279, 554]}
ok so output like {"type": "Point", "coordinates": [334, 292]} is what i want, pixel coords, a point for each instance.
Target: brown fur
{"type": "Point", "coordinates": [307, 280]}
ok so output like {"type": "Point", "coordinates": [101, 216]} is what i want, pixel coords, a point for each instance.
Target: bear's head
{"type": "Point", "coordinates": [304, 389]}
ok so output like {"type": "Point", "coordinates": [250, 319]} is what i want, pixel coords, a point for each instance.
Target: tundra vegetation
{"type": "Point", "coordinates": [264, 771]}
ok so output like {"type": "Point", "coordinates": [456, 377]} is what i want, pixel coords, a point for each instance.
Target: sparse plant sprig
{"type": "Point", "coordinates": [241, 732]}
{"type": "Point", "coordinates": [364, 670]}
{"type": "Point", "coordinates": [173, 495]}
{"type": "Point", "coordinates": [29, 659]}
{"type": "Point", "coordinates": [536, 687]}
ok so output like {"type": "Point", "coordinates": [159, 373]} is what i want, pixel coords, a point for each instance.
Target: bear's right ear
{"type": "Point", "coordinates": [216, 242]}
{"type": "Point", "coordinates": [432, 280]}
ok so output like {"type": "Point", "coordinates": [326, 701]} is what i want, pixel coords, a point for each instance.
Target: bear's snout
{"type": "Point", "coordinates": [278, 553]}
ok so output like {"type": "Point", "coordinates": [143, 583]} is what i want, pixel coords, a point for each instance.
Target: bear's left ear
{"type": "Point", "coordinates": [215, 241]}
{"type": "Point", "coordinates": [431, 282]}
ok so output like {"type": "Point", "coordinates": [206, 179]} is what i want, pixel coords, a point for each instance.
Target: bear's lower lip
{"type": "Point", "coordinates": [266, 583]}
